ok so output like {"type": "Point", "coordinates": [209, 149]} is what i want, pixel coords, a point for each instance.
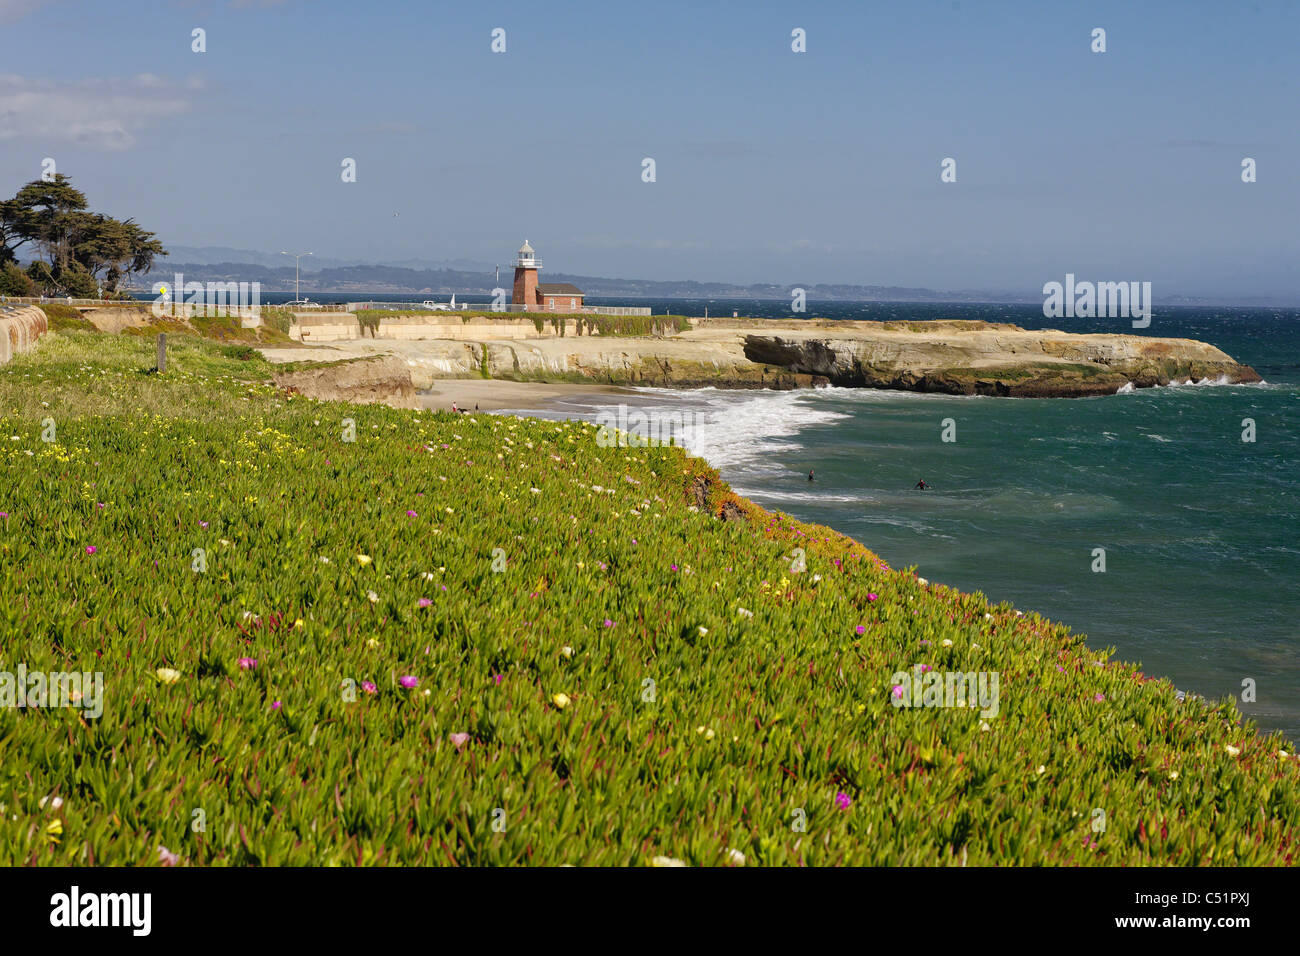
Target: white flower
{"type": "Point", "coordinates": [374, 598]}
{"type": "Point", "coordinates": [54, 804]}
{"type": "Point", "coordinates": [735, 857]}
{"type": "Point", "coordinates": [1042, 768]}
{"type": "Point", "coordinates": [1233, 751]}
{"type": "Point", "coordinates": [946, 643]}
{"type": "Point", "coordinates": [566, 650]}
{"type": "Point", "coordinates": [922, 581]}
{"type": "Point", "coordinates": [744, 612]}
{"type": "Point", "coordinates": [703, 630]}
{"type": "Point", "coordinates": [666, 861]}
{"type": "Point", "coordinates": [324, 560]}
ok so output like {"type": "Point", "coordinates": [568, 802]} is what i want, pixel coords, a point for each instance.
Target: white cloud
{"type": "Point", "coordinates": [102, 113]}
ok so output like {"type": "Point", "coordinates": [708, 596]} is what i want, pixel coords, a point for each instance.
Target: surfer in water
{"type": "Point", "coordinates": [922, 485]}
{"type": "Point", "coordinates": [810, 475]}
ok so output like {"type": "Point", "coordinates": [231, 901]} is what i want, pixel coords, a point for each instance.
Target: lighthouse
{"type": "Point", "coordinates": [526, 266]}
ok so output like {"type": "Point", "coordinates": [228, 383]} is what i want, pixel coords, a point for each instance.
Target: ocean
{"type": "Point", "coordinates": [1199, 528]}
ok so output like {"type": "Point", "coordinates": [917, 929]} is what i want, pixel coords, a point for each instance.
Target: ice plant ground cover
{"type": "Point", "coordinates": [347, 679]}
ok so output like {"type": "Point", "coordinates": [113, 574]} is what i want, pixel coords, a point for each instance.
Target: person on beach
{"type": "Point", "coordinates": [922, 485]}
{"type": "Point", "coordinates": [454, 409]}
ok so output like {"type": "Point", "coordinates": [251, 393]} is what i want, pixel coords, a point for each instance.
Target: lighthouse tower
{"type": "Point", "coordinates": [526, 266]}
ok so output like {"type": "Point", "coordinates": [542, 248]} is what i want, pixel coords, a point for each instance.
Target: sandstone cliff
{"type": "Point", "coordinates": [979, 358]}
{"type": "Point", "coordinates": [20, 327]}
{"type": "Point", "coordinates": [957, 357]}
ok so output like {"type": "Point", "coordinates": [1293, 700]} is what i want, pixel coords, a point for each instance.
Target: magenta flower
{"type": "Point", "coordinates": [898, 691]}
{"type": "Point", "coordinates": [860, 629]}
{"type": "Point", "coordinates": [203, 524]}
{"type": "Point", "coordinates": [412, 514]}
{"type": "Point", "coordinates": [408, 681]}
{"type": "Point", "coordinates": [276, 705]}
{"type": "Point", "coordinates": [99, 504]}
{"type": "Point", "coordinates": [247, 663]}
{"type": "Point", "coordinates": [1099, 697]}
{"type": "Point", "coordinates": [498, 677]}
{"type": "Point", "coordinates": [458, 740]}
{"type": "Point", "coordinates": [843, 801]}
{"type": "Point", "coordinates": [673, 566]}
{"type": "Point", "coordinates": [926, 667]}
{"type": "Point", "coordinates": [91, 549]}
{"type": "Point", "coordinates": [4, 514]}
{"type": "Point", "coordinates": [369, 687]}
{"type": "Point", "coordinates": [872, 596]}
{"type": "Point", "coordinates": [425, 602]}
{"type": "Point", "coordinates": [608, 622]}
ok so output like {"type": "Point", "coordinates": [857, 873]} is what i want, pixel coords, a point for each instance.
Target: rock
{"type": "Point", "coordinates": [980, 358]}
{"type": "Point", "coordinates": [20, 327]}
{"type": "Point", "coordinates": [384, 379]}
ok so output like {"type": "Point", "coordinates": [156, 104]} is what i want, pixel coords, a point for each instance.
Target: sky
{"type": "Point", "coordinates": [770, 165]}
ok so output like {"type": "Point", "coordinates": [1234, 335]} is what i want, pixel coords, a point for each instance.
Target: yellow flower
{"type": "Point", "coordinates": [167, 675]}
{"type": "Point", "coordinates": [298, 623]}
{"type": "Point", "coordinates": [372, 643]}
{"type": "Point", "coordinates": [666, 861]}
{"type": "Point", "coordinates": [560, 700]}
{"type": "Point", "coordinates": [363, 559]}
{"type": "Point", "coordinates": [1231, 749]}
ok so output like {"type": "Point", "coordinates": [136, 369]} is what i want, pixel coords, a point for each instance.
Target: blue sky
{"type": "Point", "coordinates": [771, 165]}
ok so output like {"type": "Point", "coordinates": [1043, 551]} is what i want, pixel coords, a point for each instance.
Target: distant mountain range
{"type": "Point", "coordinates": [462, 276]}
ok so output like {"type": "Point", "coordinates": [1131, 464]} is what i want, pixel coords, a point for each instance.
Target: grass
{"type": "Point", "coordinates": [714, 697]}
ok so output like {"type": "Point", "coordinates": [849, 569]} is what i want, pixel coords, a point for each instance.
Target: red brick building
{"type": "Point", "coordinates": [544, 297]}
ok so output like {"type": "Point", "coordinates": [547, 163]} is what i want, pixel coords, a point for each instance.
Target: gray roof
{"type": "Point", "coordinates": [558, 288]}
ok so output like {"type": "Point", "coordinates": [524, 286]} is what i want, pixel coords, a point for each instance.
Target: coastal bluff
{"type": "Point", "coordinates": [954, 357]}
{"type": "Point", "coordinates": [20, 327]}
{"type": "Point", "coordinates": [980, 358]}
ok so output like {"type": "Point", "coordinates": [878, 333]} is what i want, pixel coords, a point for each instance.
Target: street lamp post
{"type": "Point", "coordinates": [296, 258]}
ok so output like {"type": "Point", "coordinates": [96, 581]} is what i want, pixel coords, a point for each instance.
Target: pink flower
{"type": "Point", "coordinates": [203, 524]}
{"type": "Point", "coordinates": [91, 549]}
{"type": "Point", "coordinates": [369, 687]}
{"type": "Point", "coordinates": [608, 622]}
{"type": "Point", "coordinates": [247, 663]}
{"type": "Point", "coordinates": [860, 629]}
{"type": "Point", "coordinates": [166, 857]}
{"type": "Point", "coordinates": [498, 677]}
{"type": "Point", "coordinates": [4, 514]}
{"type": "Point", "coordinates": [843, 801]}
{"type": "Point", "coordinates": [898, 691]}
{"type": "Point", "coordinates": [673, 567]}
{"type": "Point", "coordinates": [276, 705]}
{"type": "Point", "coordinates": [872, 596]}
{"type": "Point", "coordinates": [926, 667]}
{"type": "Point", "coordinates": [425, 602]}
{"type": "Point", "coordinates": [99, 504]}
{"type": "Point", "coordinates": [408, 681]}
{"type": "Point", "coordinates": [412, 514]}
{"type": "Point", "coordinates": [1099, 697]}
{"type": "Point", "coordinates": [458, 740]}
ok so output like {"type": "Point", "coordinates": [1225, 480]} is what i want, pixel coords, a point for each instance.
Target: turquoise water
{"type": "Point", "coordinates": [1202, 578]}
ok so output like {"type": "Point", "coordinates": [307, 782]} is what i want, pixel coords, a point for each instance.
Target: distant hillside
{"type": "Point", "coordinates": [360, 279]}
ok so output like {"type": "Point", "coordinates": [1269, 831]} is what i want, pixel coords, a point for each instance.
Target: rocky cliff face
{"type": "Point", "coordinates": [20, 327]}
{"type": "Point", "coordinates": [978, 358]}
{"type": "Point", "coordinates": [383, 379]}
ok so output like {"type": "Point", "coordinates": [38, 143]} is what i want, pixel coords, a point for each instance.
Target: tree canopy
{"type": "Point", "coordinates": [77, 252]}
